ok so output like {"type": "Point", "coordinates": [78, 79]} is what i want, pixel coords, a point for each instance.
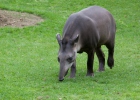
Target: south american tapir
{"type": "Point", "coordinates": [86, 31]}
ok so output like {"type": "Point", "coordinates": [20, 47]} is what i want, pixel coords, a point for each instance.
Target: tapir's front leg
{"type": "Point", "coordinates": [73, 70]}
{"type": "Point", "coordinates": [90, 63]}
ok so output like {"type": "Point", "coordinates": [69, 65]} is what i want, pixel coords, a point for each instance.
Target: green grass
{"type": "Point", "coordinates": [28, 56]}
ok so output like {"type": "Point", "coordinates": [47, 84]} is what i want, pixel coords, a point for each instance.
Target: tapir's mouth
{"type": "Point", "coordinates": [66, 72]}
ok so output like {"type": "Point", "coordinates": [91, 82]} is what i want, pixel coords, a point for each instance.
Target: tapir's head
{"type": "Point", "coordinates": [66, 54]}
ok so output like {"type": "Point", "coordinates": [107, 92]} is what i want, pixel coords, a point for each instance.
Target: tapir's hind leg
{"type": "Point", "coordinates": [101, 58]}
{"type": "Point", "coordinates": [110, 60]}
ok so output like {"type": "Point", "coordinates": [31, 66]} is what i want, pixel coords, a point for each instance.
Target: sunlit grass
{"type": "Point", "coordinates": [28, 56]}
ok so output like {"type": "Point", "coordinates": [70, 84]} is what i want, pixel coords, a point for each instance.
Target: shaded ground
{"type": "Point", "coordinates": [17, 19]}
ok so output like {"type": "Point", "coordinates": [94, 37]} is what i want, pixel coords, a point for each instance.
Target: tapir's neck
{"type": "Point", "coordinates": [70, 32]}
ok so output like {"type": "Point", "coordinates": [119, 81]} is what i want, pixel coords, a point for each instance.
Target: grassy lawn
{"type": "Point", "coordinates": [28, 56]}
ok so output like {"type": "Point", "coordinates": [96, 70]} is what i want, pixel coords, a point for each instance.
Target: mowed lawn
{"type": "Point", "coordinates": [28, 56]}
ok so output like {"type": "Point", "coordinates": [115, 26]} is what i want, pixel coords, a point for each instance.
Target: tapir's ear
{"type": "Point", "coordinates": [58, 37]}
{"type": "Point", "coordinates": [75, 39]}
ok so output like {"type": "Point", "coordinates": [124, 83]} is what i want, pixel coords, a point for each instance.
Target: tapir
{"type": "Point", "coordinates": [86, 31]}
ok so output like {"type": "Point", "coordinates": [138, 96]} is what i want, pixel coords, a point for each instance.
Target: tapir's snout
{"type": "Point", "coordinates": [62, 74]}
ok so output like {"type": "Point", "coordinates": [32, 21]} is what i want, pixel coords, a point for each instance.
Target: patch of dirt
{"type": "Point", "coordinates": [18, 19]}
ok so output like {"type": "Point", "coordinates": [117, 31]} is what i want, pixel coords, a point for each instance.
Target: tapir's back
{"type": "Point", "coordinates": [95, 26]}
{"type": "Point", "coordinates": [103, 20]}
{"type": "Point", "coordinates": [98, 14]}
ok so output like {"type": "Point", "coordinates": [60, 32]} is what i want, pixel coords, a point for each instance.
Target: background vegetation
{"type": "Point", "coordinates": [28, 56]}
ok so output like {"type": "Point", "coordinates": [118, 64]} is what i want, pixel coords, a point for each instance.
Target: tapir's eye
{"type": "Point", "coordinates": [58, 59]}
{"type": "Point", "coordinates": [70, 59]}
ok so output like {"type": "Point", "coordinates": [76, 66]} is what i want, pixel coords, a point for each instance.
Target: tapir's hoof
{"type": "Point", "coordinates": [72, 76]}
{"type": "Point", "coordinates": [101, 69]}
{"type": "Point", "coordinates": [110, 62]}
{"type": "Point", "coordinates": [90, 74]}
{"type": "Point", "coordinates": [111, 66]}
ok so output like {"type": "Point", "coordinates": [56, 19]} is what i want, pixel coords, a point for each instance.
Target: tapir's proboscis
{"type": "Point", "coordinates": [86, 31]}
